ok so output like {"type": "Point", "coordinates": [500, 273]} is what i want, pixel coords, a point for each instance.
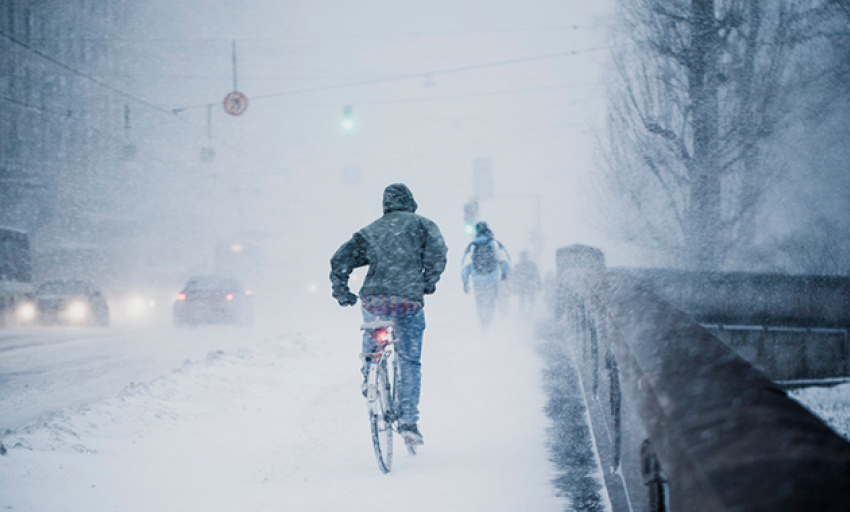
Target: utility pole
{"type": "Point", "coordinates": [235, 67]}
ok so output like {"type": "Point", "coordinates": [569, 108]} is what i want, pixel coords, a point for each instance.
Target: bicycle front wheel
{"type": "Point", "coordinates": [381, 421]}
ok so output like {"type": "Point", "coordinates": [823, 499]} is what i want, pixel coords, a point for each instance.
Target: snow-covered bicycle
{"type": "Point", "coordinates": [382, 398]}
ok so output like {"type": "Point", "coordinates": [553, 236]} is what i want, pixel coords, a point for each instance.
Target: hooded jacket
{"type": "Point", "coordinates": [405, 252]}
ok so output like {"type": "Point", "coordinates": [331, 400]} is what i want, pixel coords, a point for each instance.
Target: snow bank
{"type": "Point", "coordinates": [194, 391]}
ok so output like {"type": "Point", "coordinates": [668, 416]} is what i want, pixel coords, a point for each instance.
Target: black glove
{"type": "Point", "coordinates": [429, 289]}
{"type": "Point", "coordinates": [347, 299]}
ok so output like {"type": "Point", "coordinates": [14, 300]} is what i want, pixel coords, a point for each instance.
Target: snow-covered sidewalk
{"type": "Point", "coordinates": [280, 425]}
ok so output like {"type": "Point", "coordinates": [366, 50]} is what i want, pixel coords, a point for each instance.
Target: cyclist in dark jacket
{"type": "Point", "coordinates": [406, 255]}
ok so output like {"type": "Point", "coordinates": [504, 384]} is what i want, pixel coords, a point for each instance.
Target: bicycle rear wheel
{"type": "Point", "coordinates": [380, 418]}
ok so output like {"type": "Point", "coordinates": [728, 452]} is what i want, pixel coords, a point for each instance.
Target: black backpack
{"type": "Point", "coordinates": [484, 258]}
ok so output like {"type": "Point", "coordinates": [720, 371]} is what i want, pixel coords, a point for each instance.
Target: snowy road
{"type": "Point", "coordinates": [47, 370]}
{"type": "Point", "coordinates": [279, 424]}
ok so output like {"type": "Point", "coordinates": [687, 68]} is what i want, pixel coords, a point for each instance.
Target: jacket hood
{"type": "Point", "coordinates": [482, 230]}
{"type": "Point", "coordinates": [399, 198]}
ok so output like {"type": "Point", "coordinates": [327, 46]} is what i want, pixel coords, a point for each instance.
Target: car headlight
{"type": "Point", "coordinates": [26, 312]}
{"type": "Point", "coordinates": [77, 311]}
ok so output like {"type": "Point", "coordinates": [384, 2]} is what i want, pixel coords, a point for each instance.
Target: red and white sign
{"type": "Point", "coordinates": [235, 103]}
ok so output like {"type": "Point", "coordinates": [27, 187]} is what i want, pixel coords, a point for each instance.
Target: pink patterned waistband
{"type": "Point", "coordinates": [390, 305]}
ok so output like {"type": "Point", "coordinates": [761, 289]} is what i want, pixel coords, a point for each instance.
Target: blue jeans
{"type": "Point", "coordinates": [408, 333]}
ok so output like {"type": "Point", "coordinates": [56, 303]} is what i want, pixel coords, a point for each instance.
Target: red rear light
{"type": "Point", "coordinates": [181, 296]}
{"type": "Point", "coordinates": [229, 296]}
{"type": "Point", "coordinates": [382, 336]}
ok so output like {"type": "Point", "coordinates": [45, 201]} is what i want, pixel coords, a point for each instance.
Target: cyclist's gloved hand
{"type": "Point", "coordinates": [347, 299]}
{"type": "Point", "coordinates": [466, 287]}
{"type": "Point", "coordinates": [429, 289]}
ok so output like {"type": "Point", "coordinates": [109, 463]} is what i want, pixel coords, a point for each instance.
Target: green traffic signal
{"type": "Point", "coordinates": [347, 118]}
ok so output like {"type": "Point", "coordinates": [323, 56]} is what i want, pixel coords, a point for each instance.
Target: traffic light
{"type": "Point", "coordinates": [347, 117]}
{"type": "Point", "coordinates": [470, 215]}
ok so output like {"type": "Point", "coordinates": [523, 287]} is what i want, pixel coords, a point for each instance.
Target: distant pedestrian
{"type": "Point", "coordinates": [526, 283]}
{"type": "Point", "coordinates": [487, 262]}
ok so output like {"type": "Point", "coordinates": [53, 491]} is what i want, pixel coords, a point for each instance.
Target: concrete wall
{"type": "Point", "coordinates": [742, 298]}
{"type": "Point", "coordinates": [789, 327]}
{"type": "Point", "coordinates": [681, 418]}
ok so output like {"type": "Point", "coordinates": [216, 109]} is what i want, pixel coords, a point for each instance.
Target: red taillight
{"type": "Point", "coordinates": [229, 296]}
{"type": "Point", "coordinates": [181, 296]}
{"type": "Point", "coordinates": [382, 336]}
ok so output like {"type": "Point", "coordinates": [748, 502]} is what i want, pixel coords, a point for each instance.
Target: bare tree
{"type": "Point", "coordinates": [698, 88]}
{"type": "Point", "coordinates": [836, 16]}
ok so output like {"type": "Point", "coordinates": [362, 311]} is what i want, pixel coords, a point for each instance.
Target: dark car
{"type": "Point", "coordinates": [213, 300]}
{"type": "Point", "coordinates": [70, 302]}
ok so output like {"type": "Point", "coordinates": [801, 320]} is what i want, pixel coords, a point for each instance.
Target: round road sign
{"type": "Point", "coordinates": [235, 103]}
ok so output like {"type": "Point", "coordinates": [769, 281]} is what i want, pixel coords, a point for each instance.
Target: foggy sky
{"type": "Point", "coordinates": [281, 168]}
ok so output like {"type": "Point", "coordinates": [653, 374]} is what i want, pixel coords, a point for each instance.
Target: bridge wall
{"type": "Point", "coordinates": [790, 327]}
{"type": "Point", "coordinates": [682, 420]}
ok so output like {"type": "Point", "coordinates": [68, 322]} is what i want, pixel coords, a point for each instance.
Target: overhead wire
{"type": "Point", "coordinates": [407, 76]}
{"type": "Point", "coordinates": [30, 106]}
{"type": "Point", "coordinates": [472, 95]}
{"type": "Point", "coordinates": [425, 99]}
{"type": "Point", "coordinates": [82, 74]}
{"type": "Point", "coordinates": [396, 78]}
{"type": "Point", "coordinates": [108, 136]}
{"type": "Point", "coordinates": [334, 36]}
{"type": "Point", "coordinates": [105, 85]}
{"type": "Point", "coordinates": [419, 33]}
